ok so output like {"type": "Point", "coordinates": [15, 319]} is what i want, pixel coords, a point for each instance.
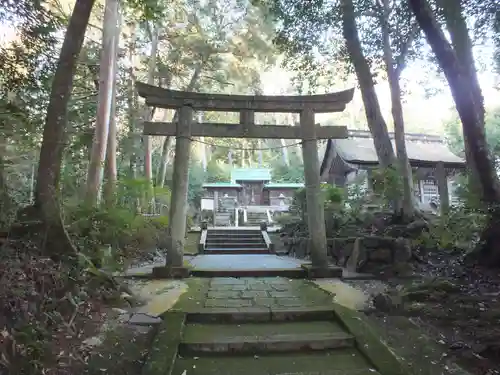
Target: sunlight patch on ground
{"type": "Point", "coordinates": [344, 294]}
{"type": "Point", "coordinates": [159, 295]}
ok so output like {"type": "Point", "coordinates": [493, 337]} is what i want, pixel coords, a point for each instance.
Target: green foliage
{"type": "Point", "coordinates": [453, 128]}
{"type": "Point", "coordinates": [333, 194]}
{"type": "Point", "coordinates": [217, 172]}
{"type": "Point", "coordinates": [284, 173]}
{"type": "Point", "coordinates": [387, 184]}
{"type": "Point", "coordinates": [458, 229]}
{"type": "Point", "coordinates": [111, 236]}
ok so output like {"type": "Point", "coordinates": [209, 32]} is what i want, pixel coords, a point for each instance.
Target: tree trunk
{"type": "Point", "coordinates": [54, 131]}
{"type": "Point", "coordinates": [376, 122]}
{"type": "Point", "coordinates": [203, 146]}
{"type": "Point", "coordinates": [260, 153]}
{"type": "Point", "coordinates": [110, 166]}
{"type": "Point", "coordinates": [407, 206]}
{"type": "Point", "coordinates": [168, 140]}
{"type": "Point", "coordinates": [5, 201]}
{"type": "Point", "coordinates": [104, 103]}
{"type": "Point", "coordinates": [284, 152]}
{"type": "Point", "coordinates": [462, 44]}
{"type": "Point", "coordinates": [132, 103]}
{"type": "Point", "coordinates": [466, 102]}
{"type": "Point", "coordinates": [148, 171]}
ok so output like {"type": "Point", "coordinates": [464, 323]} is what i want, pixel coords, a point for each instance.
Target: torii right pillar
{"type": "Point", "coordinates": [315, 208]}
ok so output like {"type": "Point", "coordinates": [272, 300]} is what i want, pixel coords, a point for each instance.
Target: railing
{"type": "Point", "coordinates": [269, 217]}
{"type": "Point", "coordinates": [236, 217]}
{"type": "Point", "coordinates": [245, 216]}
{"type": "Point", "coordinates": [267, 240]}
{"type": "Point", "coordinates": [203, 239]}
{"type": "Point", "coordinates": [266, 208]}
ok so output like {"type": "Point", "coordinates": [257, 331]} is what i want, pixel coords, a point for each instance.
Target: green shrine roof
{"type": "Point", "coordinates": [284, 185]}
{"type": "Point", "coordinates": [250, 174]}
{"type": "Point", "coordinates": [221, 185]}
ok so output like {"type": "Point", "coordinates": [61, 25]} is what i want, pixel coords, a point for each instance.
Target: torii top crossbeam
{"type": "Point", "coordinates": [172, 99]}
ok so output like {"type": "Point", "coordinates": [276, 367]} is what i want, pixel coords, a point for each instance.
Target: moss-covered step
{"type": "Point", "coordinates": [263, 338]}
{"type": "Point", "coordinates": [260, 314]}
{"type": "Point", "coordinates": [164, 348]}
{"type": "Point", "coordinates": [336, 362]}
{"type": "Point", "coordinates": [369, 342]}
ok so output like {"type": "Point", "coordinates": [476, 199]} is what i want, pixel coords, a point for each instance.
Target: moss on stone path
{"type": "Point", "coordinates": [241, 293]}
{"type": "Point", "coordinates": [339, 362]}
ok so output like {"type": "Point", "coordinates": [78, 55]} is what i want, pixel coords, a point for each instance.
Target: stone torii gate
{"type": "Point", "coordinates": [306, 105]}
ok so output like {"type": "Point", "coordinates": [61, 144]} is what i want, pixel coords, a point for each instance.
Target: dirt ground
{"type": "Point", "coordinates": [457, 306]}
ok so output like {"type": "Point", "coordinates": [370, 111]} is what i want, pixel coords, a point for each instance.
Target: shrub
{"type": "Point", "coordinates": [113, 233]}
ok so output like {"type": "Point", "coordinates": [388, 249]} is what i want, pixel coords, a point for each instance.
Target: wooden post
{"type": "Point", "coordinates": [442, 182]}
{"type": "Point", "coordinates": [315, 209]}
{"type": "Point", "coordinates": [178, 202]}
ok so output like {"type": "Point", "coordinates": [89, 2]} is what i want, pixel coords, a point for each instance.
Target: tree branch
{"type": "Point", "coordinates": [405, 48]}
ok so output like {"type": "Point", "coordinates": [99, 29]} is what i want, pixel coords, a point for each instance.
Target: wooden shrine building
{"type": "Point", "coordinates": [251, 193]}
{"type": "Point", "coordinates": [433, 164]}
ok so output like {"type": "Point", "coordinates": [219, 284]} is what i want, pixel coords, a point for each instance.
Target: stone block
{"type": "Point", "coordinates": [217, 288]}
{"type": "Point", "coordinates": [230, 303]}
{"type": "Point", "coordinates": [165, 272]}
{"type": "Point", "coordinates": [265, 302]}
{"type": "Point", "coordinates": [259, 286]}
{"type": "Point", "coordinates": [226, 294]}
{"type": "Point", "coordinates": [227, 281]}
{"type": "Point", "coordinates": [329, 272]}
{"type": "Point", "coordinates": [282, 294]}
{"type": "Point", "coordinates": [249, 294]}
{"type": "Point", "coordinates": [289, 302]}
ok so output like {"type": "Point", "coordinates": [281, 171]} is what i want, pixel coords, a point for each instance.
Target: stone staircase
{"type": "Point", "coordinates": [273, 336]}
{"type": "Point", "coordinates": [235, 241]}
{"type": "Point", "coordinates": [254, 219]}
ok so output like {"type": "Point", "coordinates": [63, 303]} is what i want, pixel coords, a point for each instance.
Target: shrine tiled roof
{"type": "Point", "coordinates": [221, 185]}
{"type": "Point", "coordinates": [250, 174]}
{"type": "Point", "coordinates": [422, 150]}
{"type": "Point", "coordinates": [284, 185]}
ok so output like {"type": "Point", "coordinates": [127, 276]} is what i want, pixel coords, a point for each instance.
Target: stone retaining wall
{"type": "Point", "coordinates": [355, 253]}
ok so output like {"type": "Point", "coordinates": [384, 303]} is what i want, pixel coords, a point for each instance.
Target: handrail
{"type": "Point", "coordinates": [269, 218]}
{"type": "Point", "coordinates": [203, 241]}
{"type": "Point", "coordinates": [267, 240]}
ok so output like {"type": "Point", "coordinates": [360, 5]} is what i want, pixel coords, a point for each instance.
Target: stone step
{"type": "Point", "coordinates": [202, 339]}
{"type": "Point", "coordinates": [236, 250]}
{"type": "Point", "coordinates": [220, 232]}
{"type": "Point", "coordinates": [236, 237]}
{"type": "Point", "coordinates": [290, 273]}
{"type": "Point", "coordinates": [239, 238]}
{"type": "Point", "coordinates": [257, 314]}
{"type": "Point", "coordinates": [235, 240]}
{"type": "Point", "coordinates": [236, 245]}
{"type": "Point", "coordinates": [335, 362]}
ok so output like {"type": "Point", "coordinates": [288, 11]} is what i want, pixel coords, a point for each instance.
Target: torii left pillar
{"type": "Point", "coordinates": [178, 201]}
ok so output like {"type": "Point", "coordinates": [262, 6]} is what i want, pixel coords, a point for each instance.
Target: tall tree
{"type": "Point", "coordinates": [148, 167]}
{"type": "Point", "coordinates": [376, 122]}
{"type": "Point", "coordinates": [385, 11]}
{"type": "Point", "coordinates": [467, 102]}
{"type": "Point", "coordinates": [54, 132]}
{"type": "Point", "coordinates": [106, 84]}
{"type": "Point", "coordinates": [110, 167]}
{"type": "Point", "coordinates": [456, 24]}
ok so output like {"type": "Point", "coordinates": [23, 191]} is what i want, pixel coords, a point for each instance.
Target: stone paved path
{"type": "Point", "coordinates": [264, 293]}
{"type": "Point", "coordinates": [244, 262]}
